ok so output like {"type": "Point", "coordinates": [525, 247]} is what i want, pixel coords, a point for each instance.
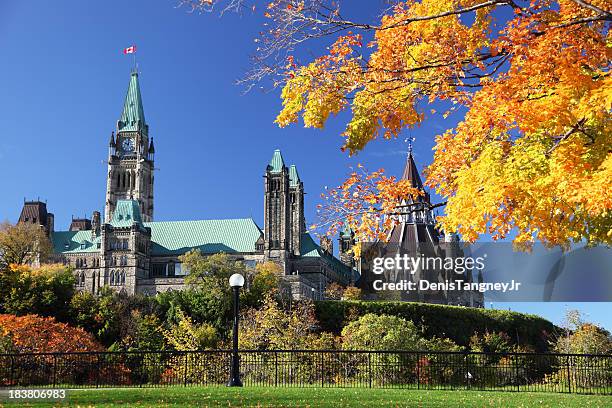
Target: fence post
{"type": "Point", "coordinates": [185, 371]}
{"type": "Point", "coordinates": [467, 370]}
{"type": "Point", "coordinates": [569, 378]}
{"type": "Point", "coordinates": [98, 369]}
{"type": "Point", "coordinates": [516, 371]}
{"type": "Point", "coordinates": [276, 368]}
{"type": "Point", "coordinates": [370, 368]}
{"type": "Point", "coordinates": [418, 370]}
{"type": "Point", "coordinates": [12, 377]}
{"type": "Point", "coordinates": [54, 368]}
{"type": "Point", "coordinates": [322, 370]}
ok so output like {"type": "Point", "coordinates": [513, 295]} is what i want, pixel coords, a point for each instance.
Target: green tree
{"type": "Point", "coordinates": [209, 276]}
{"type": "Point", "coordinates": [45, 291]}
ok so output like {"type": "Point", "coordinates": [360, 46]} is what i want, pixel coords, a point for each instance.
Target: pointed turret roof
{"type": "Point", "coordinates": [151, 147]}
{"type": "Point", "coordinates": [294, 177]}
{"type": "Point", "coordinates": [411, 172]}
{"type": "Point", "coordinates": [111, 143]}
{"type": "Point", "coordinates": [132, 118]}
{"type": "Point", "coordinates": [277, 163]}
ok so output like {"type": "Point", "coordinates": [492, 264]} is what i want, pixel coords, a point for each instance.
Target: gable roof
{"type": "Point", "coordinates": [132, 117]}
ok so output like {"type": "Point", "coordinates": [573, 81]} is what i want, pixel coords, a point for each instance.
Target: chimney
{"type": "Point", "coordinates": [95, 224]}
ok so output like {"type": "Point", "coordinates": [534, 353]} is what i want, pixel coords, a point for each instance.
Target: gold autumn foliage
{"type": "Point", "coordinates": [532, 154]}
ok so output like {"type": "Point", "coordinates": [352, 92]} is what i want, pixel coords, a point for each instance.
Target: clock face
{"type": "Point", "coordinates": [128, 145]}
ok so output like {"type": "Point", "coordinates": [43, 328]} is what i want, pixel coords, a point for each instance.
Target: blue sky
{"type": "Point", "coordinates": [63, 80]}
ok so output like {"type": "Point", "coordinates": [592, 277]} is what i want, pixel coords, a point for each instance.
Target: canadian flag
{"type": "Point", "coordinates": [129, 50]}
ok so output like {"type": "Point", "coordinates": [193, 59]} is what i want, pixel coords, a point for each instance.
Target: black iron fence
{"type": "Point", "coordinates": [570, 373]}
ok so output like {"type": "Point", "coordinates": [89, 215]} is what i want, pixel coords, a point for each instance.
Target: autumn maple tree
{"type": "Point", "coordinates": [532, 154]}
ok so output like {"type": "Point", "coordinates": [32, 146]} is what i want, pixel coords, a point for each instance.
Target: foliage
{"type": "Point", "coordinates": [45, 291]}
{"type": "Point", "coordinates": [185, 335]}
{"type": "Point", "coordinates": [85, 311]}
{"type": "Point", "coordinates": [264, 280]}
{"type": "Point", "coordinates": [334, 291]}
{"type": "Point", "coordinates": [209, 275]}
{"type": "Point", "coordinates": [352, 293]}
{"type": "Point", "coordinates": [275, 327]}
{"type": "Point", "coordinates": [531, 79]}
{"type": "Point", "coordinates": [146, 336]}
{"type": "Point", "coordinates": [36, 334]}
{"type": "Point", "coordinates": [384, 332]}
{"type": "Point", "coordinates": [23, 243]}
{"type": "Point", "coordinates": [491, 342]}
{"type": "Point", "coordinates": [441, 321]}
{"type": "Point", "coordinates": [582, 337]}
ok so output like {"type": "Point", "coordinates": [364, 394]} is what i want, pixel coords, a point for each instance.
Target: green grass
{"type": "Point", "coordinates": [314, 397]}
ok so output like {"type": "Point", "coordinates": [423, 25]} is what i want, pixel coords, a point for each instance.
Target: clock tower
{"type": "Point", "coordinates": [131, 157]}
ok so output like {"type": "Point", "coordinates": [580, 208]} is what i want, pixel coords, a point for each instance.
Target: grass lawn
{"type": "Point", "coordinates": [313, 397]}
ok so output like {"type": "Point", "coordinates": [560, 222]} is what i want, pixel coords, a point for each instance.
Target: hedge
{"type": "Point", "coordinates": [455, 322]}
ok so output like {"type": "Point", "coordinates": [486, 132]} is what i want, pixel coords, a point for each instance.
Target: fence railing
{"type": "Point", "coordinates": [569, 373]}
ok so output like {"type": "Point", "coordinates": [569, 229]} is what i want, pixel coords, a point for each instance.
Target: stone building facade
{"type": "Point", "coordinates": [128, 251]}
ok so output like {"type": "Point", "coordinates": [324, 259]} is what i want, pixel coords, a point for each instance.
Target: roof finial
{"type": "Point", "coordinates": [410, 140]}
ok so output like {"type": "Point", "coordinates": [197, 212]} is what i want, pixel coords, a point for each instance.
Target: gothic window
{"type": "Point", "coordinates": [125, 244]}
{"type": "Point", "coordinates": [122, 278]}
{"type": "Point", "coordinates": [112, 278]}
{"type": "Point", "coordinates": [118, 179]}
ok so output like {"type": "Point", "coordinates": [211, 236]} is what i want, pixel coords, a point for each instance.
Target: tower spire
{"type": "Point", "coordinates": [132, 117]}
{"type": "Point", "coordinates": [411, 173]}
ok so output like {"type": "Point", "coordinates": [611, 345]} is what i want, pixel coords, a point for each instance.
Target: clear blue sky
{"type": "Point", "coordinates": [63, 80]}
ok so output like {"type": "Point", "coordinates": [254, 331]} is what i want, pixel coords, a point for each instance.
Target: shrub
{"type": "Point", "coordinates": [36, 334]}
{"type": "Point", "coordinates": [442, 321]}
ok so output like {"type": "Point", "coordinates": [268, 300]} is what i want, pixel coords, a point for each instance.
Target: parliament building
{"type": "Point", "coordinates": [127, 250]}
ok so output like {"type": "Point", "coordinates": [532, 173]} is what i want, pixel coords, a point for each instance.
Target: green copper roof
{"type": "Point", "coordinates": [294, 177]}
{"type": "Point", "coordinates": [132, 118]}
{"type": "Point", "coordinates": [73, 242]}
{"type": "Point", "coordinates": [277, 163]}
{"type": "Point", "coordinates": [126, 213]}
{"type": "Point", "coordinates": [346, 231]}
{"type": "Point", "coordinates": [309, 249]}
{"type": "Point", "coordinates": [209, 236]}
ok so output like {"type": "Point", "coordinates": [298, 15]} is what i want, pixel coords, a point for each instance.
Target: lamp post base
{"type": "Point", "coordinates": [234, 382]}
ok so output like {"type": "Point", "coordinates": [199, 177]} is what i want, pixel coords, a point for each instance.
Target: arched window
{"type": "Point", "coordinates": [118, 179]}
{"type": "Point", "coordinates": [112, 278]}
{"type": "Point", "coordinates": [82, 277]}
{"type": "Point", "coordinates": [122, 277]}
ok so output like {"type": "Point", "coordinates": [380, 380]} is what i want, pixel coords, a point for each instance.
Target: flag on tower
{"type": "Point", "coordinates": [130, 50]}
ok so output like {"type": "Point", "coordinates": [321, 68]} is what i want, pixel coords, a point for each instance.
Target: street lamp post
{"type": "Point", "coordinates": [236, 281]}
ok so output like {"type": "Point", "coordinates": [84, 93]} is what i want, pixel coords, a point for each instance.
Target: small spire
{"type": "Point", "coordinates": [112, 140]}
{"type": "Point", "coordinates": [151, 147]}
{"type": "Point", "coordinates": [411, 172]}
{"type": "Point", "coordinates": [277, 163]}
{"type": "Point", "coordinates": [410, 141]}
